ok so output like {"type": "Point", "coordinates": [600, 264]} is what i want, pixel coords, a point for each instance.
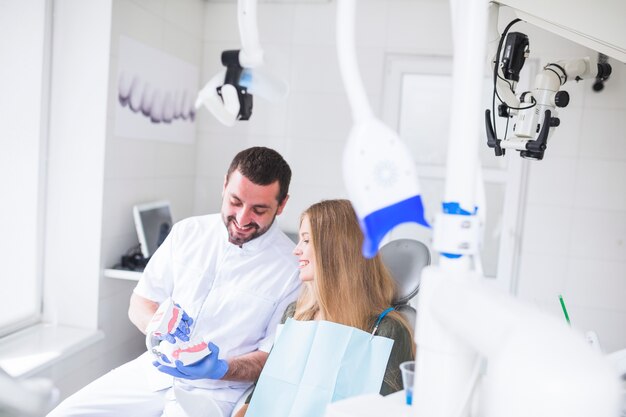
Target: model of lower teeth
{"type": "Point", "coordinates": [188, 353]}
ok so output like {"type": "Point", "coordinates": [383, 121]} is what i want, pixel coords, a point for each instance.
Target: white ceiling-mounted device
{"type": "Point", "coordinates": [229, 94]}
{"type": "Point", "coordinates": [378, 171]}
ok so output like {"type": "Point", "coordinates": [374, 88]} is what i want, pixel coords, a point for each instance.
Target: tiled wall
{"type": "Point", "coordinates": [574, 228]}
{"type": "Point", "coordinates": [574, 234]}
{"type": "Point", "coordinates": [136, 171]}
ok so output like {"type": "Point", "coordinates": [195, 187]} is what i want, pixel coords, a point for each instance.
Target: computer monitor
{"type": "Point", "coordinates": [153, 222]}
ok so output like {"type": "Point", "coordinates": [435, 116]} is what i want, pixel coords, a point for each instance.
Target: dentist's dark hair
{"type": "Point", "coordinates": [263, 166]}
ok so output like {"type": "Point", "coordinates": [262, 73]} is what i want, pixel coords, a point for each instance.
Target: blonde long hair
{"type": "Point", "coordinates": [347, 288]}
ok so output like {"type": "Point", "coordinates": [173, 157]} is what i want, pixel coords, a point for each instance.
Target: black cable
{"type": "Point", "coordinates": [547, 67]}
{"type": "Point", "coordinates": [534, 102]}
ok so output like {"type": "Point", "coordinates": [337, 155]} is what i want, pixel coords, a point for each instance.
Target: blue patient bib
{"type": "Point", "coordinates": [314, 363]}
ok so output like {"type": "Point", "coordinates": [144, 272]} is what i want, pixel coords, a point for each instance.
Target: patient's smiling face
{"type": "Point", "coordinates": [304, 251]}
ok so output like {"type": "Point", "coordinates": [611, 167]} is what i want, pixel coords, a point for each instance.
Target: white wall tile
{"type": "Point", "coordinates": [419, 27]}
{"type": "Point", "coordinates": [179, 191]}
{"type": "Point", "coordinates": [599, 235]}
{"type": "Point", "coordinates": [603, 134]}
{"type": "Point", "coordinates": [314, 24]}
{"type": "Point", "coordinates": [275, 23]}
{"type": "Point", "coordinates": [155, 6]}
{"type": "Point", "coordinates": [371, 67]}
{"type": "Point", "coordinates": [566, 138]}
{"type": "Point", "coordinates": [220, 22]}
{"type": "Point", "coordinates": [600, 184]}
{"type": "Point", "coordinates": [216, 152]}
{"type": "Point", "coordinates": [174, 160]}
{"type": "Point", "coordinates": [547, 230]}
{"type": "Point", "coordinates": [136, 22]}
{"type": "Point", "coordinates": [182, 45]}
{"type": "Point", "coordinates": [542, 278]}
{"type": "Point", "coordinates": [596, 284]}
{"type": "Point", "coordinates": [552, 183]}
{"type": "Point", "coordinates": [371, 23]}
{"type": "Point", "coordinates": [315, 69]}
{"type": "Point", "coordinates": [319, 116]}
{"type": "Point", "coordinates": [130, 158]}
{"type": "Point", "coordinates": [114, 322]}
{"type": "Point", "coordinates": [186, 15]}
{"type": "Point", "coordinates": [208, 196]}
{"type": "Point", "coordinates": [317, 162]}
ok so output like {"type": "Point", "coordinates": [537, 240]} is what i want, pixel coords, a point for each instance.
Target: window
{"type": "Point", "coordinates": [24, 74]}
{"type": "Point", "coordinates": [418, 91]}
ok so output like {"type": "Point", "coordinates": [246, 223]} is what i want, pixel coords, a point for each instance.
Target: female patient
{"type": "Point", "coordinates": [341, 286]}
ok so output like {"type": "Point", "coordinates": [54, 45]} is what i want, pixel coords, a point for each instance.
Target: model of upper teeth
{"type": "Point", "coordinates": [157, 105]}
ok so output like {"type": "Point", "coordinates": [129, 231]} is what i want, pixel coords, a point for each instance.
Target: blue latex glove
{"type": "Point", "coordinates": [209, 367]}
{"type": "Point", "coordinates": [183, 329]}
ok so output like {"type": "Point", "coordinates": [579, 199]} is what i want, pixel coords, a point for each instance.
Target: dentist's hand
{"type": "Point", "coordinates": [209, 367]}
{"type": "Point", "coordinates": [183, 329]}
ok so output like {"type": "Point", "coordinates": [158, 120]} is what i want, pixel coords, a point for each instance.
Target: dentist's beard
{"type": "Point", "coordinates": [237, 239]}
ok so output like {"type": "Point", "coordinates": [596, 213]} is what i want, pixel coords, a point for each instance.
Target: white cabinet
{"type": "Point", "coordinates": [597, 24]}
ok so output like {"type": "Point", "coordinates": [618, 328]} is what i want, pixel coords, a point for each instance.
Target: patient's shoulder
{"type": "Point", "coordinates": [392, 328]}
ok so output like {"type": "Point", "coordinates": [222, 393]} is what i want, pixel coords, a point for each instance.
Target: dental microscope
{"type": "Point", "coordinates": [533, 113]}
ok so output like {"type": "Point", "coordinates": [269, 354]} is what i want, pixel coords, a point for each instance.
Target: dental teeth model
{"type": "Point", "coordinates": [164, 321]}
{"type": "Point", "coordinates": [187, 352]}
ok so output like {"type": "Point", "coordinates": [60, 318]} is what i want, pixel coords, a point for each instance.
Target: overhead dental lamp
{"type": "Point", "coordinates": [533, 113]}
{"type": "Point", "coordinates": [229, 94]}
{"type": "Point", "coordinates": [378, 171]}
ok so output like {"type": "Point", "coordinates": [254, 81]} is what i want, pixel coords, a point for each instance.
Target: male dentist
{"type": "Point", "coordinates": [234, 275]}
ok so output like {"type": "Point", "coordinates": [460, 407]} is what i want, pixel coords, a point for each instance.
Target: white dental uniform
{"type": "Point", "coordinates": [236, 296]}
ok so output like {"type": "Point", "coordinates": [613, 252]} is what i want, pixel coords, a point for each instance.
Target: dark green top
{"type": "Point", "coordinates": [401, 351]}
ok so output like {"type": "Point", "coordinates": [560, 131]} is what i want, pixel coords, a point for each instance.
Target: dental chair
{"type": "Point", "coordinates": [405, 259]}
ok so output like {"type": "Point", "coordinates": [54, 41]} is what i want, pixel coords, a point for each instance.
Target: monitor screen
{"type": "Point", "coordinates": [153, 222]}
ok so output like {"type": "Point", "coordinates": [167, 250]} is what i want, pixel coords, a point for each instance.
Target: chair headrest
{"type": "Point", "coordinates": [405, 259]}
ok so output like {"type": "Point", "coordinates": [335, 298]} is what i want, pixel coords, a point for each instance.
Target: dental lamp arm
{"type": "Point", "coordinates": [229, 94]}
{"type": "Point", "coordinates": [223, 95]}
{"type": "Point", "coordinates": [251, 53]}
{"type": "Point", "coordinates": [346, 54]}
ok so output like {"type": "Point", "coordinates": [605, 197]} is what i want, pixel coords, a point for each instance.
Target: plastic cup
{"type": "Point", "coordinates": [408, 375]}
